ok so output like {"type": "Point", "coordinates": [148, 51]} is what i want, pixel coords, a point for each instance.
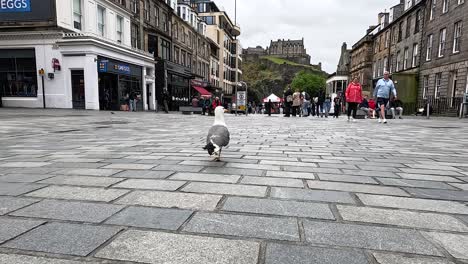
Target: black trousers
{"type": "Point", "coordinates": [337, 111]}
{"type": "Point", "coordinates": [352, 107]}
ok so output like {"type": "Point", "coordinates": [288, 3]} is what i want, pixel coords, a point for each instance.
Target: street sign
{"type": "Point", "coordinates": [41, 72]}
{"type": "Point", "coordinates": [241, 100]}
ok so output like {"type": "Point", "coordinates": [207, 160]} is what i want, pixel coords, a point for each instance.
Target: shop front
{"type": "Point", "coordinates": [119, 83]}
{"type": "Point", "coordinates": [18, 74]}
{"type": "Point", "coordinates": [178, 85]}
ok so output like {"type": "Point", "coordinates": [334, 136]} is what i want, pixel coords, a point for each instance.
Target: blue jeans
{"type": "Point", "coordinates": [132, 105]}
{"type": "Point", "coordinates": [326, 108]}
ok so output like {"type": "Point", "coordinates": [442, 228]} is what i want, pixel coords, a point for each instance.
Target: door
{"type": "Point", "coordinates": [453, 87]}
{"type": "Point", "coordinates": [78, 89]}
{"type": "Point", "coordinates": [148, 96]}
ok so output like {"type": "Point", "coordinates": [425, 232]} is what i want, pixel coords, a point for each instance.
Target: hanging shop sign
{"type": "Point", "coordinates": [56, 65]}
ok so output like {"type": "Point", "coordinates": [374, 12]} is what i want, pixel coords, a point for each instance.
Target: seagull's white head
{"type": "Point", "coordinates": [219, 116]}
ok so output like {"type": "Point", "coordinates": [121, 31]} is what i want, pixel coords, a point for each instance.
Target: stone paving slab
{"type": "Point", "coordinates": [162, 185]}
{"type": "Point", "coordinates": [88, 172]}
{"type": "Point", "coordinates": [311, 195]}
{"type": "Point", "coordinates": [424, 177]}
{"type": "Point", "coordinates": [221, 188]}
{"type": "Point", "coordinates": [401, 218]}
{"type": "Point", "coordinates": [59, 238]}
{"type": "Point", "coordinates": [82, 181]}
{"type": "Point", "coordinates": [128, 166]}
{"type": "Point", "coordinates": [291, 254]}
{"type": "Point", "coordinates": [358, 188]}
{"type": "Point", "coordinates": [157, 218]}
{"type": "Point", "coordinates": [18, 188]}
{"type": "Point", "coordinates": [415, 183]}
{"type": "Point", "coordinates": [414, 204]}
{"type": "Point", "coordinates": [23, 164]}
{"type": "Point", "coordinates": [463, 187]}
{"type": "Point", "coordinates": [289, 174]}
{"type": "Point", "coordinates": [72, 211]}
{"type": "Point", "coordinates": [439, 194]}
{"type": "Point", "coordinates": [24, 259]}
{"type": "Point", "coordinates": [234, 171]}
{"type": "Point", "coordinates": [456, 245]}
{"type": "Point", "coordinates": [156, 248]}
{"type": "Point", "coordinates": [78, 193]}
{"type": "Point", "coordinates": [10, 228]}
{"type": "Point", "coordinates": [171, 200]}
{"type": "Point", "coordinates": [141, 174]}
{"type": "Point", "coordinates": [9, 204]}
{"type": "Point", "coordinates": [346, 178]}
{"type": "Point", "coordinates": [277, 207]}
{"type": "Point", "coordinates": [24, 178]}
{"type": "Point", "coordinates": [269, 181]}
{"type": "Point", "coordinates": [398, 259]}
{"type": "Point", "coordinates": [202, 177]}
{"type": "Point", "coordinates": [180, 168]}
{"type": "Point", "coordinates": [244, 226]}
{"type": "Point", "coordinates": [370, 237]}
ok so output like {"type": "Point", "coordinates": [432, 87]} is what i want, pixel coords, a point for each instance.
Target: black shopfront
{"type": "Point", "coordinates": [178, 85]}
{"type": "Point", "coordinates": [117, 82]}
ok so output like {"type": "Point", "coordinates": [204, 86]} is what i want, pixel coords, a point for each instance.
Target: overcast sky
{"type": "Point", "coordinates": [324, 24]}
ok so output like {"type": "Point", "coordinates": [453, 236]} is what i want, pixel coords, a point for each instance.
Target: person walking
{"type": "Point", "coordinates": [269, 105]}
{"type": "Point", "coordinates": [383, 89]}
{"type": "Point", "coordinates": [288, 100]}
{"type": "Point", "coordinates": [320, 102]}
{"type": "Point", "coordinates": [216, 103]}
{"type": "Point", "coordinates": [327, 105]}
{"type": "Point", "coordinates": [337, 107]}
{"type": "Point", "coordinates": [353, 98]}
{"type": "Point", "coordinates": [165, 98]}
{"type": "Point", "coordinates": [296, 103]}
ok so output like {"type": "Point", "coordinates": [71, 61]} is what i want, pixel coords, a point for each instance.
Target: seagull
{"type": "Point", "coordinates": [218, 135]}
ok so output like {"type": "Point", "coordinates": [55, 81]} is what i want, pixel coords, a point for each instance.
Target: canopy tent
{"type": "Point", "coordinates": [203, 92]}
{"type": "Point", "coordinates": [273, 98]}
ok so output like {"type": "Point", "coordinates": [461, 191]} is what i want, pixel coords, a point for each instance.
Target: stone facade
{"type": "Point", "coordinates": [293, 50]}
{"type": "Point", "coordinates": [361, 61]}
{"type": "Point", "coordinates": [444, 68]}
{"type": "Point", "coordinates": [259, 50]}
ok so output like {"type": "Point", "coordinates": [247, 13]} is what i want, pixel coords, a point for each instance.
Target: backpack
{"type": "Point", "coordinates": [289, 98]}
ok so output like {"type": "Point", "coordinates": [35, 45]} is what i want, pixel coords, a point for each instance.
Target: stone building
{"type": "Point", "coordinates": [338, 81]}
{"type": "Point", "coordinates": [293, 50]}
{"type": "Point", "coordinates": [444, 67]}
{"type": "Point", "coordinates": [361, 61]}
{"type": "Point", "coordinates": [259, 50]}
{"type": "Point", "coordinates": [73, 54]}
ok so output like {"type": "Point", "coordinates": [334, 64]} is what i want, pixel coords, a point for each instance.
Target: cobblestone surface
{"type": "Point", "coordinates": [101, 187]}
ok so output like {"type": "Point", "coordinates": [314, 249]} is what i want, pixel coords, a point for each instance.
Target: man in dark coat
{"type": "Point", "coordinates": [288, 100]}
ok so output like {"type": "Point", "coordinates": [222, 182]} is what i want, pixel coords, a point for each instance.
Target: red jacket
{"type": "Point", "coordinates": [354, 93]}
{"type": "Point", "coordinates": [216, 103]}
{"type": "Point", "coordinates": [372, 104]}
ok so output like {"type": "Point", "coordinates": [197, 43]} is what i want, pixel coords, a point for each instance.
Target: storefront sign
{"type": "Point", "coordinates": [102, 65]}
{"type": "Point", "coordinates": [15, 6]}
{"type": "Point", "coordinates": [122, 68]}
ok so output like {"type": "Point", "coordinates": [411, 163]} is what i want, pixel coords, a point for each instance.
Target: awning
{"type": "Point", "coordinates": [203, 92]}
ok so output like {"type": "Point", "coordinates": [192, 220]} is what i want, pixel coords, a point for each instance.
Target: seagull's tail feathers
{"type": "Point", "coordinates": [210, 148]}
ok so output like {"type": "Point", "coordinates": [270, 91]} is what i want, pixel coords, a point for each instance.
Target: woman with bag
{"type": "Point", "coordinates": [353, 98]}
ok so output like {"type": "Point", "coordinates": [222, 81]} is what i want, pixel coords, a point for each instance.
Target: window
{"type": "Point", "coordinates": [432, 11]}
{"type": "Point", "coordinates": [417, 26]}
{"type": "Point", "coordinates": [165, 50]}
{"type": "Point", "coordinates": [405, 59]}
{"type": "Point", "coordinates": [425, 86]}
{"type": "Point", "coordinates": [135, 36]}
{"type": "Point", "coordinates": [398, 59]}
{"type": "Point", "coordinates": [387, 38]}
{"type": "Point", "coordinates": [165, 22]}
{"type": "Point", "coordinates": [77, 14]}
{"type": "Point", "coordinates": [429, 47]}
{"type": "Point", "coordinates": [438, 84]}
{"type": "Point", "coordinates": [379, 66]}
{"type": "Point", "coordinates": [456, 37]}
{"type": "Point", "coordinates": [119, 29]}
{"type": "Point", "coordinates": [101, 17]}
{"type": "Point", "coordinates": [415, 55]}
{"type": "Point", "coordinates": [400, 31]}
{"type": "Point", "coordinates": [408, 27]}
{"type": "Point", "coordinates": [442, 42]}
{"type": "Point", "coordinates": [461, 2]}
{"type": "Point", "coordinates": [385, 63]}
{"type": "Point", "coordinates": [394, 35]}
{"type": "Point", "coordinates": [147, 9]}
{"type": "Point", "coordinates": [156, 16]}
{"type": "Point", "coordinates": [391, 63]}
{"type": "Point", "coordinates": [18, 73]}
{"type": "Point", "coordinates": [445, 6]}
{"type": "Point", "coordinates": [134, 6]}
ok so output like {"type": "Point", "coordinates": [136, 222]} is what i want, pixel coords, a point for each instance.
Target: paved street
{"type": "Point", "coordinates": [82, 186]}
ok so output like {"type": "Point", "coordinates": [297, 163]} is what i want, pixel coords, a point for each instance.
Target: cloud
{"type": "Point", "coordinates": [324, 24]}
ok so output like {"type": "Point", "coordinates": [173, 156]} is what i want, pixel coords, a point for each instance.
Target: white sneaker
{"type": "Point", "coordinates": [385, 121]}
{"type": "Point", "coordinates": [380, 120]}
{"type": "Point", "coordinates": [354, 120]}
{"type": "Point", "coordinates": [365, 117]}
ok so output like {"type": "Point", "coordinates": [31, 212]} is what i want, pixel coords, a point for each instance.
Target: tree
{"type": "Point", "coordinates": [308, 82]}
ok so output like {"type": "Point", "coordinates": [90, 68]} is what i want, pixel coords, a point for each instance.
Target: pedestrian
{"type": "Point", "coordinates": [396, 105]}
{"type": "Point", "coordinates": [165, 98]}
{"type": "Point", "coordinates": [313, 105]}
{"type": "Point", "coordinates": [337, 106]}
{"type": "Point", "coordinates": [320, 102]}
{"type": "Point", "coordinates": [327, 105]}
{"type": "Point", "coordinates": [269, 105]}
{"type": "Point", "coordinates": [383, 89]}
{"type": "Point", "coordinates": [364, 106]}
{"type": "Point", "coordinates": [216, 103]}
{"type": "Point", "coordinates": [353, 98]}
{"type": "Point", "coordinates": [195, 101]}
{"type": "Point", "coordinates": [288, 100]}
{"type": "Point", "coordinates": [296, 103]}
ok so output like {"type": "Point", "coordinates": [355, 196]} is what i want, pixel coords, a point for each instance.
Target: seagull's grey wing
{"type": "Point", "coordinates": [219, 135]}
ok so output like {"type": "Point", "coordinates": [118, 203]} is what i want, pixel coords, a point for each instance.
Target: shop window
{"type": "Point", "coordinates": [18, 75]}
